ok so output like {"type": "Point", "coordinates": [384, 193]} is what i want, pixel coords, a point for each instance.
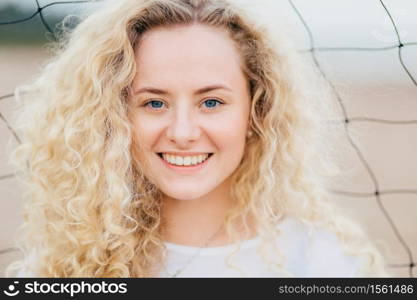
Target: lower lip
{"type": "Point", "coordinates": [186, 169]}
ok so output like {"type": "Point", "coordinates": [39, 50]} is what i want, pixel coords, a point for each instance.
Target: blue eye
{"type": "Point", "coordinates": [211, 103]}
{"type": "Point", "coordinates": [154, 104]}
{"type": "Point", "coordinates": [157, 104]}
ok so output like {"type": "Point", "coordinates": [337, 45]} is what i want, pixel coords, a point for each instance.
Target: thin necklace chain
{"type": "Point", "coordinates": [176, 273]}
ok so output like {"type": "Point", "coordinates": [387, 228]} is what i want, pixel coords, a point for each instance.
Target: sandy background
{"type": "Point", "coordinates": [388, 149]}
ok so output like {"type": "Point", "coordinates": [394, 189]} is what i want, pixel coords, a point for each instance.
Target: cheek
{"type": "Point", "coordinates": [233, 123]}
{"type": "Point", "coordinates": [145, 133]}
{"type": "Point", "coordinates": [230, 131]}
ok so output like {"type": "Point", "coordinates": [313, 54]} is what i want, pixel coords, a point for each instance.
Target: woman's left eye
{"type": "Point", "coordinates": [211, 103]}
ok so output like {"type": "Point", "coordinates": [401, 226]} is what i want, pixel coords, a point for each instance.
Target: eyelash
{"type": "Point", "coordinates": [146, 104]}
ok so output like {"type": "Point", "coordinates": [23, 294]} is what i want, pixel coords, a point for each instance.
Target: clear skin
{"type": "Point", "coordinates": [178, 61]}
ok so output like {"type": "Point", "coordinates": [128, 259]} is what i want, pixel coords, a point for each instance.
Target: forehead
{"type": "Point", "coordinates": [193, 51]}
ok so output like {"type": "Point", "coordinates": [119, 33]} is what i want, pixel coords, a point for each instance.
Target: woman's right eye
{"type": "Point", "coordinates": [154, 104]}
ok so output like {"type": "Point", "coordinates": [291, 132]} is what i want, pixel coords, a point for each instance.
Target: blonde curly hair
{"type": "Point", "coordinates": [90, 210]}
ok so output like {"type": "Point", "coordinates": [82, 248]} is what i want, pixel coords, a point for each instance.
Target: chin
{"type": "Point", "coordinates": [185, 193]}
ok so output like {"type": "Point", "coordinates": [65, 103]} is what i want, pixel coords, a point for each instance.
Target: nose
{"type": "Point", "coordinates": [183, 129]}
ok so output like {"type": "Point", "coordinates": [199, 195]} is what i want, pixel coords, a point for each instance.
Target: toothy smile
{"type": "Point", "coordinates": [190, 160]}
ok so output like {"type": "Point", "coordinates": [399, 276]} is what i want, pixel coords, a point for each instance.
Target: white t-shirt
{"type": "Point", "coordinates": [309, 252]}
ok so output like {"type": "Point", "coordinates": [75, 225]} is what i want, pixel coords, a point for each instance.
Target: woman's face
{"type": "Point", "coordinates": [189, 99]}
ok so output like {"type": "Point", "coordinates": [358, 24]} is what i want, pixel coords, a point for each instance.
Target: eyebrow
{"type": "Point", "coordinates": [200, 91]}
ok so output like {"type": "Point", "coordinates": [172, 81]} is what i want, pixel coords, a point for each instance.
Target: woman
{"type": "Point", "coordinates": [182, 138]}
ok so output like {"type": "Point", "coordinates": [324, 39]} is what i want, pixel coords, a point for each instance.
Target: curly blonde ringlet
{"type": "Point", "coordinates": [91, 212]}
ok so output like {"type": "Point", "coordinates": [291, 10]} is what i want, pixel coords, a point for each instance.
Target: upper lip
{"type": "Point", "coordinates": [185, 153]}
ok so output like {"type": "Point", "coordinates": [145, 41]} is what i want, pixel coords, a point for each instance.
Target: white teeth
{"type": "Point", "coordinates": [187, 160]}
{"type": "Point", "coordinates": [184, 160]}
{"type": "Point", "coordinates": [178, 160]}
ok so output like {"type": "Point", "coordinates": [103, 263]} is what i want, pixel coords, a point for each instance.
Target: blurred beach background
{"type": "Point", "coordinates": [376, 80]}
